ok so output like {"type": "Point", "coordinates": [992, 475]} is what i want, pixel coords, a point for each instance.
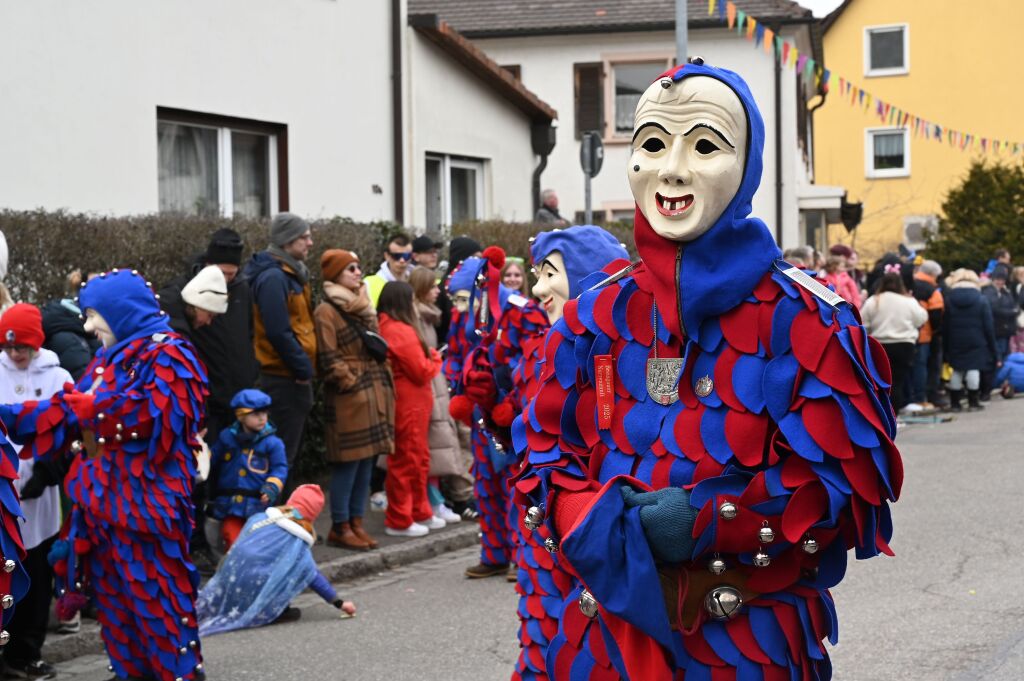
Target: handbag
{"type": "Point", "coordinates": [374, 343]}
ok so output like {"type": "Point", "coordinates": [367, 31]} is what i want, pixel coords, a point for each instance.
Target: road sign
{"type": "Point", "coordinates": [591, 153]}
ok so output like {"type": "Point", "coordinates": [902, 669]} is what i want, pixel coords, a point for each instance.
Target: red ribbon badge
{"type": "Point", "coordinates": [604, 374]}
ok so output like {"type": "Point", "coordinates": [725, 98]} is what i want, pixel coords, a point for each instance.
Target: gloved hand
{"type": "Point", "coordinates": [269, 493]}
{"type": "Point", "coordinates": [481, 388]}
{"type": "Point", "coordinates": [667, 518]}
{"type": "Point", "coordinates": [44, 474]}
{"type": "Point", "coordinates": [82, 404]}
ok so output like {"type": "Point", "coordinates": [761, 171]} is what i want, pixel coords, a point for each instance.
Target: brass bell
{"type": "Point", "coordinates": [588, 604]}
{"type": "Point", "coordinates": [9, 566]}
{"type": "Point", "coordinates": [716, 566]}
{"type": "Point", "coordinates": [762, 559]}
{"type": "Point", "coordinates": [810, 545]}
{"type": "Point", "coordinates": [723, 602]}
{"type": "Point", "coordinates": [766, 535]}
{"type": "Point", "coordinates": [4, 638]}
{"type": "Point", "coordinates": [534, 517]}
{"type": "Point", "coordinates": [728, 510]}
{"type": "Point", "coordinates": [551, 545]}
{"type": "Point", "coordinates": [7, 601]}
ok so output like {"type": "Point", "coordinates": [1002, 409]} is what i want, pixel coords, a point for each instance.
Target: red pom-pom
{"type": "Point", "coordinates": [461, 409]}
{"type": "Point", "coordinates": [82, 546]}
{"type": "Point", "coordinates": [496, 256]}
{"type": "Point", "coordinates": [503, 414]}
{"type": "Point", "coordinates": [60, 568]}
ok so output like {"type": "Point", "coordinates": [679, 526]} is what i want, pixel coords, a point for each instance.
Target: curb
{"type": "Point", "coordinates": [64, 647]}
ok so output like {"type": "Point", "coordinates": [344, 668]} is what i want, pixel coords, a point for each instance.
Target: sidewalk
{"type": "Point", "coordinates": [337, 565]}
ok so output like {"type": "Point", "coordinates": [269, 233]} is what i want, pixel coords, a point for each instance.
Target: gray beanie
{"type": "Point", "coordinates": [286, 228]}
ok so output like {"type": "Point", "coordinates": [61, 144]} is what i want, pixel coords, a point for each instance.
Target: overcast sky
{"type": "Point", "coordinates": [819, 7]}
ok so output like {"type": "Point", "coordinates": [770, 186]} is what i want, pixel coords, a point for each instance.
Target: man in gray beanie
{"type": "Point", "coordinates": [284, 335]}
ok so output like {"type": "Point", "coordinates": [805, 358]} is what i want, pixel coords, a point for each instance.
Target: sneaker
{"type": "Point", "coordinates": [379, 502]}
{"type": "Point", "coordinates": [913, 407]}
{"type": "Point", "coordinates": [31, 670]}
{"type": "Point", "coordinates": [482, 570]}
{"type": "Point", "coordinates": [290, 614]}
{"type": "Point", "coordinates": [204, 560]}
{"type": "Point", "coordinates": [432, 523]}
{"type": "Point", "coordinates": [466, 509]}
{"type": "Point", "coordinates": [446, 514]}
{"type": "Point", "coordinates": [71, 626]}
{"type": "Point", "coordinates": [414, 530]}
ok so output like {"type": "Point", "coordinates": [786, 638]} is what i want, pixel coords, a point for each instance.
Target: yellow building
{"type": "Point", "coordinates": [952, 64]}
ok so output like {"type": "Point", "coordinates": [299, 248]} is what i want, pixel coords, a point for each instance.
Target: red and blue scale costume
{"type": "Point", "coordinates": [471, 340]}
{"type": "Point", "coordinates": [13, 577]}
{"type": "Point", "coordinates": [782, 423]}
{"type": "Point", "coordinates": [541, 584]}
{"type": "Point", "coordinates": [130, 428]}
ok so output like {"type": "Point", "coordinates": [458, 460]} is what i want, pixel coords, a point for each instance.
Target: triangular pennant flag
{"type": "Point", "coordinates": [711, 7]}
{"type": "Point", "coordinates": [741, 20]}
{"type": "Point", "coordinates": [801, 63]}
{"type": "Point", "coordinates": [730, 13]}
{"type": "Point", "coordinates": [758, 34]}
{"type": "Point", "coordinates": [867, 103]}
{"type": "Point", "coordinates": [751, 27]}
{"type": "Point", "coordinates": [860, 95]}
{"type": "Point", "coordinates": [721, 10]}
{"type": "Point", "coordinates": [824, 79]}
{"type": "Point", "coordinates": [794, 55]}
{"type": "Point", "coordinates": [779, 42]}
{"type": "Point", "coordinates": [769, 40]}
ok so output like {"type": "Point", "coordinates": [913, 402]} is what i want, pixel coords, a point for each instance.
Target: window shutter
{"type": "Point", "coordinates": [589, 94]}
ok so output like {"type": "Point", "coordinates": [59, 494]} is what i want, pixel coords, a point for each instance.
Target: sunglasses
{"type": "Point", "coordinates": [400, 256]}
{"type": "Point", "coordinates": [354, 267]}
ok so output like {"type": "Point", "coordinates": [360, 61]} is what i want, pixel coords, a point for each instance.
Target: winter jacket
{"type": "Point", "coordinates": [359, 392]}
{"type": "Point", "coordinates": [845, 286]}
{"type": "Point", "coordinates": [445, 453]}
{"type": "Point", "coordinates": [893, 317]}
{"type": "Point", "coordinates": [226, 344]}
{"type": "Point", "coordinates": [1012, 371]}
{"type": "Point", "coordinates": [413, 371]}
{"type": "Point", "coordinates": [241, 463]}
{"type": "Point", "coordinates": [1004, 310]}
{"type": "Point", "coordinates": [43, 378]}
{"type": "Point", "coordinates": [968, 336]}
{"type": "Point", "coordinates": [284, 335]}
{"type": "Point", "coordinates": [375, 282]}
{"type": "Point", "coordinates": [66, 336]}
{"type": "Point", "coordinates": [927, 293]}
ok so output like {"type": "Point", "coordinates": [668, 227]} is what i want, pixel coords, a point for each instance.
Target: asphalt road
{"type": "Point", "coordinates": [947, 608]}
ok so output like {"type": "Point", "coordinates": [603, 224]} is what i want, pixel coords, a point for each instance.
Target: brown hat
{"type": "Point", "coordinates": [334, 261]}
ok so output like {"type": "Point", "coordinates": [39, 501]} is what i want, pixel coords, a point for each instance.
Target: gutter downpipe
{"type": "Point", "coordinates": [536, 181]}
{"type": "Point", "coordinates": [397, 139]}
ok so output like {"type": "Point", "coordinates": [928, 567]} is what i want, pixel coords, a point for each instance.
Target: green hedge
{"type": "Point", "coordinates": [46, 246]}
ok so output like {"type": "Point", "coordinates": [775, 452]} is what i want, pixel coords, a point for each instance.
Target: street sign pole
{"type": "Point", "coordinates": [681, 25]}
{"type": "Point", "coordinates": [591, 159]}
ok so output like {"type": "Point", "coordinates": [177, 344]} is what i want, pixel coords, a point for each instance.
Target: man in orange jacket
{"type": "Point", "coordinates": [928, 356]}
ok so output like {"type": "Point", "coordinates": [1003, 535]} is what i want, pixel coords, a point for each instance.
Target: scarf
{"type": "Point", "coordinates": [430, 314]}
{"type": "Point", "coordinates": [299, 268]}
{"type": "Point", "coordinates": [356, 304]}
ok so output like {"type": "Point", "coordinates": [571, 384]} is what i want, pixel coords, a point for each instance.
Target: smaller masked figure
{"type": "Point", "coordinates": [130, 429]}
{"type": "Point", "coordinates": [13, 577]}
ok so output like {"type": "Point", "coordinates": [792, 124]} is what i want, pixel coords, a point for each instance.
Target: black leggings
{"type": "Point", "coordinates": [901, 359]}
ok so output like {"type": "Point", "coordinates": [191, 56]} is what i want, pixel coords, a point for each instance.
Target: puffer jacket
{"type": "Point", "coordinates": [968, 336]}
{"type": "Point", "coordinates": [66, 336]}
{"type": "Point", "coordinates": [445, 453]}
{"type": "Point", "coordinates": [284, 333]}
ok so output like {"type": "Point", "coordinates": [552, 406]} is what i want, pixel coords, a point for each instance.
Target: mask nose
{"type": "Point", "coordinates": [676, 170]}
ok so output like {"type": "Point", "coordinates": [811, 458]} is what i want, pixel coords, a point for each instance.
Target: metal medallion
{"type": "Point", "coordinates": [663, 379]}
{"type": "Point", "coordinates": [704, 386]}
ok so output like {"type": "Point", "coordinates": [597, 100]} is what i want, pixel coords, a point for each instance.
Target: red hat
{"type": "Point", "coordinates": [307, 500]}
{"type": "Point", "coordinates": [22, 324]}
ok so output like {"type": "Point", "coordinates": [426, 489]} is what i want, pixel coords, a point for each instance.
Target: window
{"type": "Point", "coordinates": [630, 81]}
{"type": "Point", "coordinates": [588, 82]}
{"type": "Point", "coordinates": [218, 165]}
{"type": "Point", "coordinates": [887, 152]}
{"type": "Point", "coordinates": [887, 50]}
{"type": "Point", "coordinates": [454, 190]}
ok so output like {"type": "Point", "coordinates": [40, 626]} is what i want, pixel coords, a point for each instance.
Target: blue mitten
{"type": "Point", "coordinates": [667, 518]}
{"type": "Point", "coordinates": [271, 490]}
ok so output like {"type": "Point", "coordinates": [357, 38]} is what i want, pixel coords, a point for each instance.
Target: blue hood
{"type": "Point", "coordinates": [584, 248]}
{"type": "Point", "coordinates": [721, 267]}
{"type": "Point", "coordinates": [126, 303]}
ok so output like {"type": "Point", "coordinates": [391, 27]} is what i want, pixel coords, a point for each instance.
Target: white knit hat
{"type": "Point", "coordinates": [208, 290]}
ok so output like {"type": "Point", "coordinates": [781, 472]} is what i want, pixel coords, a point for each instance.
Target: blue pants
{"type": "Point", "coordinates": [350, 488]}
{"type": "Point", "coordinates": [919, 392]}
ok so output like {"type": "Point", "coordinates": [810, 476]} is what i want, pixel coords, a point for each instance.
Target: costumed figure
{"type": "Point", "coordinates": [130, 427]}
{"type": "Point", "coordinates": [562, 259]}
{"type": "Point", "coordinates": [712, 432]}
{"type": "Point", "coordinates": [479, 301]}
{"type": "Point", "coordinates": [248, 465]}
{"type": "Point", "coordinates": [14, 580]}
{"type": "Point", "coordinates": [270, 564]}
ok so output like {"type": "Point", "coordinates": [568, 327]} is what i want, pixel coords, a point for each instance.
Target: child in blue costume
{"type": "Point", "coordinates": [269, 565]}
{"type": "Point", "coordinates": [130, 427]}
{"type": "Point", "coordinates": [712, 432]}
{"type": "Point", "coordinates": [248, 465]}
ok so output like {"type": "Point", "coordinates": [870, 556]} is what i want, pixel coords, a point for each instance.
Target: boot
{"type": "Point", "coordinates": [973, 400]}
{"type": "Point", "coordinates": [360, 531]}
{"type": "Point", "coordinates": [341, 535]}
{"type": "Point", "coordinates": [954, 400]}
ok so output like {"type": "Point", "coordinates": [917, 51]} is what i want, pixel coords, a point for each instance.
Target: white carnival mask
{"type": "Point", "coordinates": [96, 324]}
{"type": "Point", "coordinates": [552, 287]}
{"type": "Point", "coordinates": [460, 300]}
{"type": "Point", "coordinates": [689, 148]}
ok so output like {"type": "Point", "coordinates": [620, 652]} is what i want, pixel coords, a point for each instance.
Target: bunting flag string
{"type": "Point", "coordinates": [812, 72]}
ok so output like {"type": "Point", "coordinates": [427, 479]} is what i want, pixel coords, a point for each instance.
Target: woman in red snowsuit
{"type": "Point", "coordinates": [414, 364]}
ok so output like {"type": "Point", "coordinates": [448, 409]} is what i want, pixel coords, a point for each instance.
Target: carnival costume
{"type": "Point", "coordinates": [470, 341]}
{"type": "Point", "coordinates": [130, 427]}
{"type": "Point", "coordinates": [712, 432]}
{"type": "Point", "coordinates": [13, 577]}
{"type": "Point", "coordinates": [541, 584]}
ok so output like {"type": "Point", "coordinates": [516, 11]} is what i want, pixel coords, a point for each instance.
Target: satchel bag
{"type": "Point", "coordinates": [373, 342]}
